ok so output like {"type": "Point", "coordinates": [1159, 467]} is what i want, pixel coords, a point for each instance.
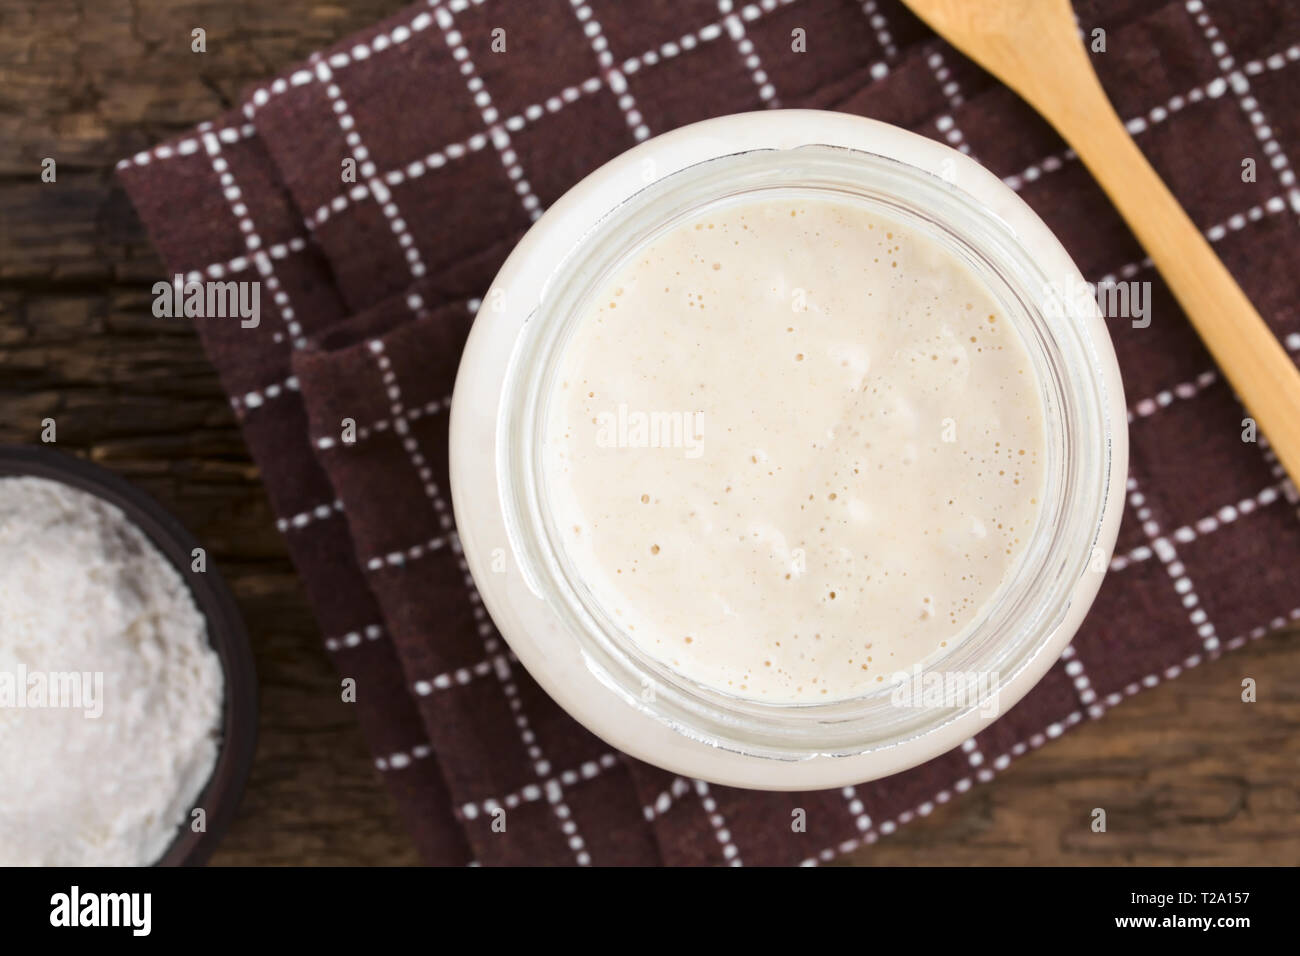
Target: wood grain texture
{"type": "Point", "coordinates": [1186, 772]}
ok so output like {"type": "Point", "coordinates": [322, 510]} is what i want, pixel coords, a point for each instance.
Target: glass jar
{"type": "Point", "coordinates": [578, 652]}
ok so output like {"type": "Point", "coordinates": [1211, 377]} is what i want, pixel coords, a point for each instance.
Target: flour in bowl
{"type": "Point", "coordinates": [110, 693]}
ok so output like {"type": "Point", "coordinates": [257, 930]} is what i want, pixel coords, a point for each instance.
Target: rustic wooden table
{"type": "Point", "coordinates": [1187, 773]}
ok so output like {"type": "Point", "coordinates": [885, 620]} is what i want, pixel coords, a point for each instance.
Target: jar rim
{"type": "Point", "coordinates": [1087, 448]}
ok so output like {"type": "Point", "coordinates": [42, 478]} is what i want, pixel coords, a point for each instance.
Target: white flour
{"type": "Point", "coordinates": [83, 592]}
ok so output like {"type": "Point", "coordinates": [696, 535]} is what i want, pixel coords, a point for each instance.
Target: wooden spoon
{"type": "Point", "coordinates": [1034, 47]}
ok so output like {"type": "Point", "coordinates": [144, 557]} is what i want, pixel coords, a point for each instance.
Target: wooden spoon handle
{"type": "Point", "coordinates": [1253, 361]}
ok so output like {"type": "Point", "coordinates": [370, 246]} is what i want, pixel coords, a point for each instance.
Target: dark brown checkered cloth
{"type": "Point", "coordinates": [458, 145]}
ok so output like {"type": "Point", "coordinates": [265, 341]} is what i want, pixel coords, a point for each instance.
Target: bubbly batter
{"type": "Point", "coordinates": [794, 448]}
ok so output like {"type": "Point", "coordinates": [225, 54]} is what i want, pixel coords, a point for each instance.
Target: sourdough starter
{"type": "Point", "coordinates": [794, 448]}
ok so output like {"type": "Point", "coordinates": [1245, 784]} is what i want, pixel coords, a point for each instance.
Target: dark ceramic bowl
{"type": "Point", "coordinates": [220, 797]}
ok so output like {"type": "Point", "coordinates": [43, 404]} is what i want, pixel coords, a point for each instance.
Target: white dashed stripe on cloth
{"type": "Point", "coordinates": [943, 76]}
{"type": "Point", "coordinates": [371, 632]}
{"type": "Point", "coordinates": [1227, 514]}
{"type": "Point", "coordinates": [862, 820]}
{"type": "Point", "coordinates": [448, 154]}
{"type": "Point", "coordinates": [881, 26]}
{"type": "Point", "coordinates": [517, 122]}
{"type": "Point", "coordinates": [1237, 222]}
{"type": "Point", "coordinates": [366, 169]}
{"type": "Point", "coordinates": [218, 270]}
{"type": "Point", "coordinates": [1276, 62]}
{"type": "Point", "coordinates": [1186, 390]}
{"type": "Point", "coordinates": [337, 205]}
{"type": "Point", "coordinates": [378, 426]}
{"type": "Point", "coordinates": [679, 788]}
{"type": "Point", "coordinates": [1210, 523]}
{"type": "Point", "coordinates": [1277, 157]}
{"type": "Point", "coordinates": [614, 77]}
{"type": "Point", "coordinates": [975, 757]}
{"type": "Point", "coordinates": [1126, 271]}
{"type": "Point", "coordinates": [730, 852]}
{"type": "Point", "coordinates": [707, 34]}
{"type": "Point", "coordinates": [403, 759]}
{"type": "Point", "coordinates": [1168, 555]}
{"type": "Point", "coordinates": [754, 11]}
{"type": "Point", "coordinates": [461, 677]}
{"type": "Point", "coordinates": [279, 86]}
{"type": "Point", "coordinates": [497, 133]}
{"type": "Point", "coordinates": [341, 59]}
{"type": "Point", "coordinates": [1055, 730]}
{"type": "Point", "coordinates": [505, 676]}
{"type": "Point", "coordinates": [188, 146]}
{"type": "Point", "coordinates": [926, 807]}
{"type": "Point", "coordinates": [363, 433]}
{"type": "Point", "coordinates": [259, 397]}
{"type": "Point", "coordinates": [952, 92]}
{"type": "Point", "coordinates": [1135, 125]}
{"type": "Point", "coordinates": [502, 668]}
{"type": "Point", "coordinates": [736, 30]}
{"type": "Point", "coordinates": [415, 303]}
{"type": "Point", "coordinates": [1254, 634]}
{"type": "Point", "coordinates": [536, 791]}
{"type": "Point", "coordinates": [945, 125]}
{"type": "Point", "coordinates": [553, 104]}
{"type": "Point", "coordinates": [252, 241]}
{"type": "Point", "coordinates": [308, 515]}
{"type": "Point", "coordinates": [1285, 485]}
{"type": "Point", "coordinates": [1139, 554]}
{"type": "Point", "coordinates": [1074, 669]}
{"type": "Point", "coordinates": [397, 559]}
{"type": "Point", "coordinates": [1146, 407]}
{"type": "Point", "coordinates": [1213, 89]}
{"type": "Point", "coordinates": [409, 442]}
{"type": "Point", "coordinates": [672, 48]}
{"type": "Point", "coordinates": [1048, 164]}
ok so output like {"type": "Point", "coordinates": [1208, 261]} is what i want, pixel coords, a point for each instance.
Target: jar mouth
{"type": "Point", "coordinates": [1050, 317]}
